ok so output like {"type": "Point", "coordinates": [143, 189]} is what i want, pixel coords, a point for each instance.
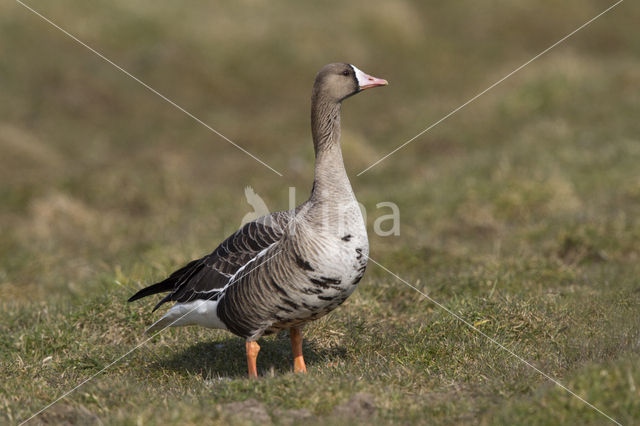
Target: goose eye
{"type": "Point", "coordinates": [345, 72]}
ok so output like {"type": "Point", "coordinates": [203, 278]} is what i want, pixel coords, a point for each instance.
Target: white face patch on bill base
{"type": "Point", "coordinates": [366, 81]}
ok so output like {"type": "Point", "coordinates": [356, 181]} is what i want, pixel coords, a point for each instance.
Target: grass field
{"type": "Point", "coordinates": [520, 213]}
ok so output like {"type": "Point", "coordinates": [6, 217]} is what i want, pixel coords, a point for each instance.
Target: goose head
{"type": "Point", "coordinates": [336, 82]}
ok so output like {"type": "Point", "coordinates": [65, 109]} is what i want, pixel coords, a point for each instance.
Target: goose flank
{"type": "Point", "coordinates": [287, 268]}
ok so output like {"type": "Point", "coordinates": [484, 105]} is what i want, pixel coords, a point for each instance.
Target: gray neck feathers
{"type": "Point", "coordinates": [331, 181]}
{"type": "Point", "coordinates": [325, 121]}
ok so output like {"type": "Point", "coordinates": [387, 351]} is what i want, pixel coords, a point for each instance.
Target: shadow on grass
{"type": "Point", "coordinates": [226, 358]}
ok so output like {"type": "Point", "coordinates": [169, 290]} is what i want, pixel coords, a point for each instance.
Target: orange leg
{"type": "Point", "coordinates": [296, 347]}
{"type": "Point", "coordinates": [252, 355]}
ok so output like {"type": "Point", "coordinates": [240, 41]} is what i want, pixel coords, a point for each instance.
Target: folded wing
{"type": "Point", "coordinates": [204, 278]}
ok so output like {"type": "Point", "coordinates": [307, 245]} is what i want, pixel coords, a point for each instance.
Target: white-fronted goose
{"type": "Point", "coordinates": [287, 268]}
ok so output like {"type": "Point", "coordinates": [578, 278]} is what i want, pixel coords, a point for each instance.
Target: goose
{"type": "Point", "coordinates": [287, 268]}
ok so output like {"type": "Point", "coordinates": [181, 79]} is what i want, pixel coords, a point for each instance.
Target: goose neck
{"type": "Point", "coordinates": [331, 181]}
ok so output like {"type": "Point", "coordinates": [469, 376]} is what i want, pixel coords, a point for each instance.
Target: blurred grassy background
{"type": "Point", "coordinates": [523, 209]}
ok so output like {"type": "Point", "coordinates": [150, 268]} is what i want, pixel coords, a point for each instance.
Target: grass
{"type": "Point", "coordinates": [521, 213]}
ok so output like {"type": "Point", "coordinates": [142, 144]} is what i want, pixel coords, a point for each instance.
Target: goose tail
{"type": "Point", "coordinates": [160, 287]}
{"type": "Point", "coordinates": [197, 312]}
{"type": "Point", "coordinates": [165, 285]}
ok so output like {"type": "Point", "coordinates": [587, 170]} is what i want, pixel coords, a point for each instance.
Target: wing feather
{"type": "Point", "coordinates": [204, 278]}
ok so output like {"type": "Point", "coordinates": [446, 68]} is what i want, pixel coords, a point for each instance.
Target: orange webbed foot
{"type": "Point", "coordinates": [296, 347]}
{"type": "Point", "coordinates": [252, 355]}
